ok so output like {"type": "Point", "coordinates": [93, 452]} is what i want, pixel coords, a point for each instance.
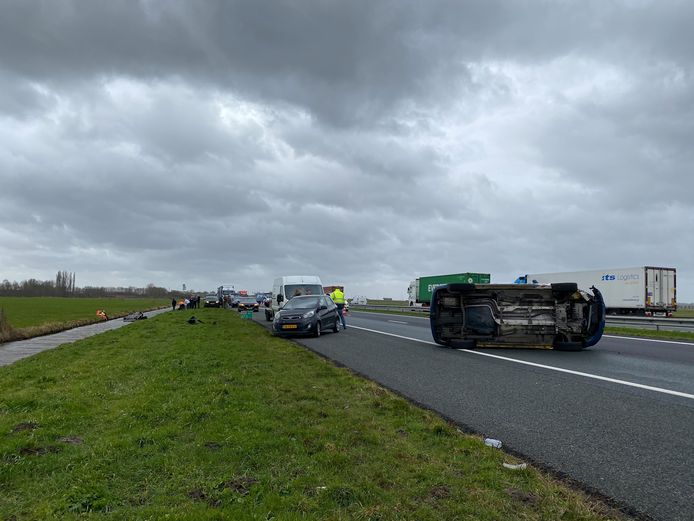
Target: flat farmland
{"type": "Point", "coordinates": [25, 317]}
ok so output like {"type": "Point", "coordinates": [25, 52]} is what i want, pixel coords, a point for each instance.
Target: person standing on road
{"type": "Point", "coordinates": [339, 300]}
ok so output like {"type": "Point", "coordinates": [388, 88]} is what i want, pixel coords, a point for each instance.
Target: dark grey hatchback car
{"type": "Point", "coordinates": [307, 314]}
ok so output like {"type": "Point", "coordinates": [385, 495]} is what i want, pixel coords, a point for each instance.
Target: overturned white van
{"type": "Point", "coordinates": [558, 316]}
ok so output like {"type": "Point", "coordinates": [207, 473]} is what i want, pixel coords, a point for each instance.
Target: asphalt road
{"type": "Point", "coordinates": [617, 418]}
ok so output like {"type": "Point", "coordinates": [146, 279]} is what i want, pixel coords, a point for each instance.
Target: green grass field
{"type": "Point", "coordinates": [33, 316]}
{"type": "Point", "coordinates": [219, 420]}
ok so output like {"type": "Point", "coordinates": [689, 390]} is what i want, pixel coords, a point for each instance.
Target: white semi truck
{"type": "Point", "coordinates": [645, 290]}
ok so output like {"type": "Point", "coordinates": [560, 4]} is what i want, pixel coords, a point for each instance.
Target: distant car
{"type": "Point", "coordinates": [211, 301]}
{"type": "Point", "coordinates": [307, 314]}
{"type": "Point", "coordinates": [262, 297]}
{"type": "Point", "coordinates": [246, 303]}
{"type": "Point", "coordinates": [558, 316]}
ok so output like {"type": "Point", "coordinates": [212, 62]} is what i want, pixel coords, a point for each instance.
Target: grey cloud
{"type": "Point", "coordinates": [173, 142]}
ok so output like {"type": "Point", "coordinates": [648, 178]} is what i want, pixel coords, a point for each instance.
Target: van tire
{"type": "Point", "coordinates": [457, 344]}
{"type": "Point", "coordinates": [463, 344]}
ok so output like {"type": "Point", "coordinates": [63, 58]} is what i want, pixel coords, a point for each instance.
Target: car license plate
{"type": "Point", "coordinates": [289, 326]}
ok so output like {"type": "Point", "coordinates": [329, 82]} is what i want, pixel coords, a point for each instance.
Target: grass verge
{"type": "Point", "coordinates": [219, 420]}
{"type": "Point", "coordinates": [650, 333]}
{"type": "Point", "coordinates": [28, 317]}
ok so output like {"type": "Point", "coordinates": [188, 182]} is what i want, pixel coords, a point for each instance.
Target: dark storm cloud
{"type": "Point", "coordinates": [346, 61]}
{"type": "Point", "coordinates": [139, 138]}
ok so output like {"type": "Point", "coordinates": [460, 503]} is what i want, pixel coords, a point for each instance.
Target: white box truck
{"type": "Point", "coordinates": [645, 290]}
{"type": "Point", "coordinates": [284, 288]}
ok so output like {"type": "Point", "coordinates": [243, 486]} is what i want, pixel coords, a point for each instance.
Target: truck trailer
{"type": "Point", "coordinates": [420, 289]}
{"type": "Point", "coordinates": [645, 290]}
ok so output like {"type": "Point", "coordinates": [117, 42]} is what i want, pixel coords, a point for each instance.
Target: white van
{"type": "Point", "coordinates": [290, 286]}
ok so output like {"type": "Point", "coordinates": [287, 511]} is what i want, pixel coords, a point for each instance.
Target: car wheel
{"type": "Point", "coordinates": [268, 317]}
{"type": "Point", "coordinates": [336, 327]}
{"type": "Point", "coordinates": [317, 332]}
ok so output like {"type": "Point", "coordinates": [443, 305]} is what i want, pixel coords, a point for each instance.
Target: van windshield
{"type": "Point", "coordinates": [294, 290]}
{"type": "Point", "coordinates": [302, 303]}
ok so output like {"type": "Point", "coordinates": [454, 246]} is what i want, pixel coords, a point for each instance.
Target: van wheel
{"type": "Point", "coordinates": [317, 332]}
{"type": "Point", "coordinates": [463, 344]}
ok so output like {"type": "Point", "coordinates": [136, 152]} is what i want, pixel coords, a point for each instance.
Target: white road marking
{"type": "Point", "coordinates": [542, 366]}
{"type": "Point", "coordinates": [398, 322]}
{"type": "Point", "coordinates": [650, 340]}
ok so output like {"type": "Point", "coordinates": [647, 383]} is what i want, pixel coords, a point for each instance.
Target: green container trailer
{"type": "Point", "coordinates": [420, 289]}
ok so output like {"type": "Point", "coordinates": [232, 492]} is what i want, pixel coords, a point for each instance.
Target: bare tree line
{"type": "Point", "coordinates": [64, 286]}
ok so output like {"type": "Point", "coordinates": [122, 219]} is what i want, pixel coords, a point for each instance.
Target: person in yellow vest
{"type": "Point", "coordinates": [339, 299]}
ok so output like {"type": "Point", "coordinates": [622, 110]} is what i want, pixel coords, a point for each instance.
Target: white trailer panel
{"type": "Point", "coordinates": [661, 287]}
{"type": "Point", "coordinates": [639, 289]}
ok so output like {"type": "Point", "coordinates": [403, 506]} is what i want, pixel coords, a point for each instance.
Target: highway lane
{"type": "Point", "coordinates": [628, 443]}
{"type": "Point", "coordinates": [661, 364]}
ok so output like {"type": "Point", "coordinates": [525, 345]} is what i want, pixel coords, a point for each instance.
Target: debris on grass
{"type": "Point", "coordinates": [240, 484]}
{"type": "Point", "coordinates": [518, 466]}
{"type": "Point", "coordinates": [71, 440]}
{"type": "Point", "coordinates": [439, 492]}
{"type": "Point", "coordinates": [491, 442]}
{"type": "Point", "coordinates": [522, 496]}
{"type": "Point", "coordinates": [25, 426]}
{"type": "Point", "coordinates": [38, 451]}
{"type": "Point", "coordinates": [197, 494]}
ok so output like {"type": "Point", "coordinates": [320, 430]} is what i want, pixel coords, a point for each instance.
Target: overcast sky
{"type": "Point", "coordinates": [367, 142]}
